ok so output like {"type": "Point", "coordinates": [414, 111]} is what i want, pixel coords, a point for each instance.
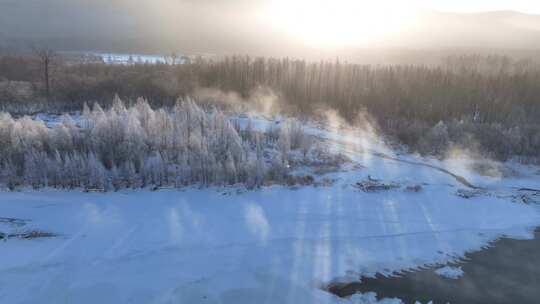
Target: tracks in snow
{"type": "Point", "coordinates": [345, 147]}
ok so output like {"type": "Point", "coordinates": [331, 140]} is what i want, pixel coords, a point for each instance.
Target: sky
{"type": "Point", "coordinates": [330, 23]}
{"type": "Point", "coordinates": [266, 27]}
{"type": "Point", "coordinates": [525, 6]}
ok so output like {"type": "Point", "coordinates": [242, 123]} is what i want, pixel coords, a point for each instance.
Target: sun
{"type": "Point", "coordinates": [331, 23]}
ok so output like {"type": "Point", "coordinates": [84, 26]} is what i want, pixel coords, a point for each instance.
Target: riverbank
{"type": "Point", "coordinates": [506, 272]}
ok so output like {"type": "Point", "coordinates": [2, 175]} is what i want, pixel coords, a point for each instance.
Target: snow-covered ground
{"type": "Point", "coordinates": [273, 245]}
{"type": "Point", "coordinates": [116, 58]}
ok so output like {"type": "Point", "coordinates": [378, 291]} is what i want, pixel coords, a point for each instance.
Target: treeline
{"type": "Point", "coordinates": [141, 147]}
{"type": "Point", "coordinates": [481, 99]}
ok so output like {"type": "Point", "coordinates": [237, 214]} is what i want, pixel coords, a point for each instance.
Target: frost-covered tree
{"type": "Point", "coordinates": [284, 145]}
{"type": "Point", "coordinates": [97, 175]}
{"type": "Point", "coordinates": [436, 140]}
{"type": "Point", "coordinates": [139, 146]}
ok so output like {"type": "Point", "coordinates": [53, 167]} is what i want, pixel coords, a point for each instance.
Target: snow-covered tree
{"type": "Point", "coordinates": [284, 145]}
{"type": "Point", "coordinates": [139, 146]}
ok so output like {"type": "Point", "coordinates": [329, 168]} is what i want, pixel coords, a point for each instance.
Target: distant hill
{"type": "Point", "coordinates": [497, 29]}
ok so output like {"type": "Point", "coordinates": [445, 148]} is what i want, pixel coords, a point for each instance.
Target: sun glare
{"type": "Point", "coordinates": [332, 23]}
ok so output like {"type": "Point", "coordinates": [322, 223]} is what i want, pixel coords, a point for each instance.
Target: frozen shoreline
{"type": "Point", "coordinates": [274, 244]}
{"type": "Point", "coordinates": [504, 272]}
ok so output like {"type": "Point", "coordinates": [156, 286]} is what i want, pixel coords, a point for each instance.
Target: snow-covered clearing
{"type": "Point", "coordinates": [273, 245]}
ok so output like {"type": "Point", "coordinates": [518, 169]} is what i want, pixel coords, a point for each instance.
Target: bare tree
{"type": "Point", "coordinates": [48, 60]}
